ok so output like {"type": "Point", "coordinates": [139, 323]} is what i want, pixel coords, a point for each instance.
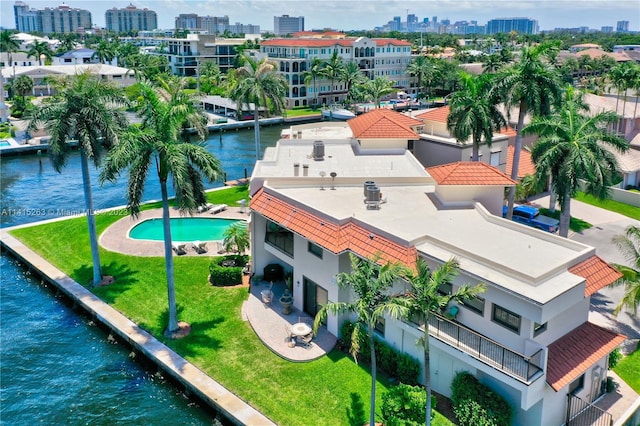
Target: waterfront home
{"type": "Point", "coordinates": [314, 202]}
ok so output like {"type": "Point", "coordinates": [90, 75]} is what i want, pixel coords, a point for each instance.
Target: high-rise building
{"type": "Point", "coordinates": [607, 29]}
{"type": "Point", "coordinates": [130, 18]}
{"type": "Point", "coordinates": [64, 19]}
{"type": "Point", "coordinates": [506, 25]}
{"type": "Point", "coordinates": [622, 26]}
{"type": "Point", "coordinates": [27, 20]}
{"type": "Point", "coordinates": [285, 24]}
{"type": "Point", "coordinates": [208, 24]}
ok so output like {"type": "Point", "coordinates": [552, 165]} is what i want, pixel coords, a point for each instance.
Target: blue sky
{"type": "Point", "coordinates": [346, 15]}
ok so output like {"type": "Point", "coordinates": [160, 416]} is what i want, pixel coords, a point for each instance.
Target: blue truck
{"type": "Point", "coordinates": [531, 216]}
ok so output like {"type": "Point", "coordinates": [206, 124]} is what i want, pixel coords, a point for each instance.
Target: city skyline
{"type": "Point", "coordinates": [340, 15]}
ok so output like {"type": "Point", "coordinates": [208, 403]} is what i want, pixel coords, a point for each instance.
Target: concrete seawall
{"type": "Point", "coordinates": [192, 378]}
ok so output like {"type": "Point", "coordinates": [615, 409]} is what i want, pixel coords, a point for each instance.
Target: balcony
{"type": "Point", "coordinates": [523, 368]}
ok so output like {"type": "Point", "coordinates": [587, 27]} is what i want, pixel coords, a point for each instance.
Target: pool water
{"type": "Point", "coordinates": [183, 229]}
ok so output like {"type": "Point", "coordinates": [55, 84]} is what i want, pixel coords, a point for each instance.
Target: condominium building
{"type": "Point", "coordinates": [61, 19]}
{"type": "Point", "coordinates": [527, 336]}
{"type": "Point", "coordinates": [622, 26]}
{"type": "Point", "coordinates": [27, 20]}
{"type": "Point", "coordinates": [130, 18]}
{"type": "Point", "coordinates": [505, 25]}
{"type": "Point", "coordinates": [207, 24]}
{"type": "Point", "coordinates": [379, 57]}
{"type": "Point", "coordinates": [285, 24]}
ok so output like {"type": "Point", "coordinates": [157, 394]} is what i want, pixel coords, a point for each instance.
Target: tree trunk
{"type": "Point", "coordinates": [372, 411]}
{"type": "Point", "coordinates": [475, 156]}
{"type": "Point", "coordinates": [553, 197]}
{"type": "Point", "coordinates": [565, 215]}
{"type": "Point", "coordinates": [256, 130]}
{"type": "Point", "coordinates": [427, 372]}
{"type": "Point", "coordinates": [624, 107]}
{"type": "Point", "coordinates": [91, 220]}
{"type": "Point", "coordinates": [516, 158]}
{"type": "Point", "coordinates": [168, 257]}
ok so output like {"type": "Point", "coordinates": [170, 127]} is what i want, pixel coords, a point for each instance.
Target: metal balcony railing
{"type": "Point", "coordinates": [521, 367]}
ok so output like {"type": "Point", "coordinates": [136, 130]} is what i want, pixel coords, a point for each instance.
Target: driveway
{"type": "Point", "coordinates": [606, 225]}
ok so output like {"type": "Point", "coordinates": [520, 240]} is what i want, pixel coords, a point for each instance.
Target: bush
{"type": "Point", "coordinates": [614, 358]}
{"type": "Point", "coordinates": [395, 363]}
{"type": "Point", "coordinates": [404, 405]}
{"type": "Point", "coordinates": [475, 404]}
{"type": "Point", "coordinates": [227, 270]}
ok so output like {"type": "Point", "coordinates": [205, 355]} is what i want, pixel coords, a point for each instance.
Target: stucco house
{"type": "Point", "coordinates": [527, 337]}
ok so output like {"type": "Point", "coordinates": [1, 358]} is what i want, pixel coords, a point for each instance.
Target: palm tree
{"type": "Point", "coordinates": [426, 70]}
{"type": "Point", "coordinates": [67, 42]}
{"type": "Point", "coordinates": [533, 86]}
{"type": "Point", "coordinates": [9, 43]}
{"type": "Point", "coordinates": [22, 85]}
{"type": "Point", "coordinates": [104, 51]}
{"type": "Point", "coordinates": [377, 88]}
{"type": "Point", "coordinates": [492, 63]}
{"type": "Point", "coordinates": [473, 114]}
{"type": "Point", "coordinates": [351, 75]}
{"type": "Point", "coordinates": [629, 245]}
{"type": "Point", "coordinates": [39, 49]}
{"type": "Point", "coordinates": [90, 111]}
{"type": "Point", "coordinates": [166, 110]}
{"type": "Point", "coordinates": [574, 146]}
{"type": "Point", "coordinates": [371, 282]}
{"type": "Point", "coordinates": [260, 84]}
{"type": "Point", "coordinates": [623, 78]}
{"type": "Point", "coordinates": [236, 238]}
{"type": "Point", "coordinates": [426, 297]}
{"type": "Point", "coordinates": [332, 69]}
{"type": "Point", "coordinates": [311, 76]}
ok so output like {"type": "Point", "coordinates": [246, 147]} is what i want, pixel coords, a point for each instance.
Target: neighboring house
{"type": "Point", "coordinates": [376, 57]}
{"type": "Point", "coordinates": [76, 56]}
{"type": "Point", "coordinates": [41, 75]}
{"type": "Point", "coordinates": [527, 337]}
{"type": "Point", "coordinates": [584, 46]}
{"type": "Point", "coordinates": [627, 110]}
{"type": "Point", "coordinates": [18, 59]}
{"type": "Point", "coordinates": [384, 128]}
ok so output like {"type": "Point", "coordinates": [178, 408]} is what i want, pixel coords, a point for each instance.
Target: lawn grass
{"type": "Point", "coordinates": [615, 206]}
{"type": "Point", "coordinates": [301, 112]}
{"type": "Point", "coordinates": [221, 344]}
{"type": "Point", "coordinates": [575, 224]}
{"type": "Point", "coordinates": [628, 369]}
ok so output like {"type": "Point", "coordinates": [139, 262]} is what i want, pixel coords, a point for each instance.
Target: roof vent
{"type": "Point", "coordinates": [296, 169]}
{"type": "Point", "coordinates": [318, 151]}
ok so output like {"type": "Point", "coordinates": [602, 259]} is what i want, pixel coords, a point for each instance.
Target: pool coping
{"type": "Point", "coordinates": [115, 237]}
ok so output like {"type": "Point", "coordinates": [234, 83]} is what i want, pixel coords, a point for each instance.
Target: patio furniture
{"type": "Point", "coordinates": [301, 329]}
{"type": "Point", "coordinates": [218, 208]}
{"type": "Point", "coordinates": [273, 272]}
{"type": "Point", "coordinates": [179, 249]}
{"type": "Point", "coordinates": [306, 340]}
{"type": "Point", "coordinates": [200, 247]}
{"type": "Point", "coordinates": [267, 295]}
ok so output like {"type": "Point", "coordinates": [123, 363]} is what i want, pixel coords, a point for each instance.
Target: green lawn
{"type": "Point", "coordinates": [629, 370]}
{"type": "Point", "coordinates": [301, 112]}
{"type": "Point", "coordinates": [220, 343]}
{"type": "Point", "coordinates": [625, 209]}
{"type": "Point", "coordinates": [575, 224]}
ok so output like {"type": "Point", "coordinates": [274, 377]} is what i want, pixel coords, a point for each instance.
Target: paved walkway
{"type": "Point", "coordinates": [618, 402]}
{"type": "Point", "coordinates": [272, 326]}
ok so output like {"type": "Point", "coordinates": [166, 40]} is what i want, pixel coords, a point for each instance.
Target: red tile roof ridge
{"type": "Point", "coordinates": [437, 114]}
{"type": "Point", "coordinates": [597, 273]}
{"type": "Point", "coordinates": [383, 123]}
{"type": "Point", "coordinates": [469, 173]}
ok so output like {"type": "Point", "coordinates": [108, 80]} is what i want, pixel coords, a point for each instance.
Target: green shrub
{"type": "Point", "coordinates": [227, 270]}
{"type": "Point", "coordinates": [614, 358]}
{"type": "Point", "coordinates": [404, 405]}
{"type": "Point", "coordinates": [475, 404]}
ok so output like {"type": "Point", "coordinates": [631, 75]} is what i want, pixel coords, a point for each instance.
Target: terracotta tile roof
{"type": "Point", "coordinates": [311, 42]}
{"type": "Point", "coordinates": [469, 173]}
{"type": "Point", "coordinates": [508, 131]}
{"type": "Point", "coordinates": [334, 237]}
{"type": "Point", "coordinates": [392, 41]}
{"type": "Point", "coordinates": [575, 352]}
{"type": "Point", "coordinates": [438, 114]}
{"type": "Point", "coordinates": [383, 123]}
{"type": "Point", "coordinates": [526, 166]}
{"type": "Point", "coordinates": [597, 272]}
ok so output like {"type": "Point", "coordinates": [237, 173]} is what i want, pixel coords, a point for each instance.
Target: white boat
{"type": "Point", "coordinates": [336, 112]}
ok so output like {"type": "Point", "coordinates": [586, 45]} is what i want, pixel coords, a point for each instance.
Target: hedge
{"type": "Point", "coordinates": [475, 404]}
{"type": "Point", "coordinates": [227, 275]}
{"type": "Point", "coordinates": [404, 405]}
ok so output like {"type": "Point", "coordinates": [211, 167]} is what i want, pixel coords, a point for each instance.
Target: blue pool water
{"type": "Point", "coordinates": [183, 229]}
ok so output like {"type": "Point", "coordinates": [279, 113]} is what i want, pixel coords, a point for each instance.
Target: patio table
{"type": "Point", "coordinates": [300, 329]}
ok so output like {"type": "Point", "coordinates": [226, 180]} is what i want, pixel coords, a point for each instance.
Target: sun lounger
{"type": "Point", "coordinates": [179, 249]}
{"type": "Point", "coordinates": [205, 207]}
{"type": "Point", "coordinates": [200, 247]}
{"type": "Point", "coordinates": [218, 208]}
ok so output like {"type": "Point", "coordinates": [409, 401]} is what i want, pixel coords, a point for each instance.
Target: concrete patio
{"type": "Point", "coordinates": [272, 326]}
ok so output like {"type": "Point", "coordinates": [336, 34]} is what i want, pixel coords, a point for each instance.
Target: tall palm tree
{"type": "Point", "coordinates": [629, 245]}
{"type": "Point", "coordinates": [534, 87]}
{"type": "Point", "coordinates": [260, 84]}
{"type": "Point", "coordinates": [624, 77]}
{"type": "Point", "coordinates": [371, 282]}
{"type": "Point", "coordinates": [350, 75]}
{"type": "Point", "coordinates": [332, 69]}
{"type": "Point", "coordinates": [22, 85]}
{"type": "Point", "coordinates": [473, 114]}
{"type": "Point", "coordinates": [426, 70]}
{"type": "Point", "coordinates": [90, 111]}
{"type": "Point", "coordinates": [9, 43]}
{"type": "Point", "coordinates": [377, 88]}
{"type": "Point", "coordinates": [104, 51]}
{"type": "Point", "coordinates": [39, 49]}
{"type": "Point", "coordinates": [312, 74]}
{"type": "Point", "coordinates": [166, 110]}
{"type": "Point", "coordinates": [424, 298]}
{"type": "Point", "coordinates": [574, 146]}
{"type": "Point", "coordinates": [492, 63]}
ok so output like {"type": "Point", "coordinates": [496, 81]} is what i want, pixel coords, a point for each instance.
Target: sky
{"type": "Point", "coordinates": [359, 14]}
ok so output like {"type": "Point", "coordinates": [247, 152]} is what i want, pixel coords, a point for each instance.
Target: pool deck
{"type": "Point", "coordinates": [115, 238]}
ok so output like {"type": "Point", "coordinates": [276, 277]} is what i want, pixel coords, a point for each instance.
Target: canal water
{"type": "Point", "coordinates": [57, 367]}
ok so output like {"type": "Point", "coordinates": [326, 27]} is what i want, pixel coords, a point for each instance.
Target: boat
{"type": "Point", "coordinates": [336, 112]}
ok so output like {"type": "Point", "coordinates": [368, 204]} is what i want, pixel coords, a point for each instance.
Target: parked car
{"type": "Point", "coordinates": [531, 216]}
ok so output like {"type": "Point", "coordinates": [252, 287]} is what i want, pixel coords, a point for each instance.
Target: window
{"type": "Point", "coordinates": [279, 237]}
{"type": "Point", "coordinates": [539, 328]}
{"type": "Point", "coordinates": [314, 249]}
{"type": "Point", "coordinates": [506, 318]}
{"type": "Point", "coordinates": [577, 385]}
{"type": "Point", "coordinates": [495, 159]}
{"type": "Point", "coordinates": [379, 327]}
{"type": "Point", "coordinates": [445, 289]}
{"type": "Point", "coordinates": [476, 305]}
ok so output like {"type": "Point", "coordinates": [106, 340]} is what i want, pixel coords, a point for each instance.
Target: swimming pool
{"type": "Point", "coordinates": [183, 229]}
